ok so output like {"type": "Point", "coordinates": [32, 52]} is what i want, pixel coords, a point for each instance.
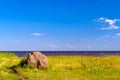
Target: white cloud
{"type": "Point", "coordinates": [118, 34]}
{"type": "Point", "coordinates": [37, 34]}
{"type": "Point", "coordinates": [61, 46]}
{"type": "Point", "coordinates": [69, 45]}
{"type": "Point", "coordinates": [111, 23]}
{"type": "Point", "coordinates": [53, 45]}
{"type": "Point", "coordinates": [112, 36]}
{"type": "Point", "coordinates": [110, 27]}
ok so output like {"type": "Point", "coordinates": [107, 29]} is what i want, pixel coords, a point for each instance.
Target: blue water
{"type": "Point", "coordinates": [55, 53]}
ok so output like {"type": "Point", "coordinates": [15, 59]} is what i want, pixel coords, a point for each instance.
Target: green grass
{"type": "Point", "coordinates": [62, 68]}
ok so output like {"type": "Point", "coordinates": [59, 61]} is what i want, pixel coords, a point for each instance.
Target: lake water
{"type": "Point", "coordinates": [55, 53]}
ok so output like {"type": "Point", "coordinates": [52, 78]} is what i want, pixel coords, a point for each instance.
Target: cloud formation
{"type": "Point", "coordinates": [118, 34]}
{"type": "Point", "coordinates": [53, 45]}
{"type": "Point", "coordinates": [111, 36]}
{"type": "Point", "coordinates": [111, 23]}
{"type": "Point", "coordinates": [69, 45]}
{"type": "Point", "coordinates": [37, 34]}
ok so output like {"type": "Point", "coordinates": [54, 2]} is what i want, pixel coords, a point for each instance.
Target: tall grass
{"type": "Point", "coordinates": [63, 68]}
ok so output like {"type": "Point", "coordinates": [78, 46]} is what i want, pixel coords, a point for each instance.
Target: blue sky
{"type": "Point", "coordinates": [59, 25]}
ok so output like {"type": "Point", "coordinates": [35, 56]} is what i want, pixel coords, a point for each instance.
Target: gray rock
{"type": "Point", "coordinates": [37, 59]}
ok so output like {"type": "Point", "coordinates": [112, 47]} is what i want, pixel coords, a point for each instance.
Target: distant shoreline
{"type": "Point", "coordinates": [57, 53]}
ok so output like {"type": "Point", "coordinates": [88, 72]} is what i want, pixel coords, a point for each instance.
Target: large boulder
{"type": "Point", "coordinates": [37, 59]}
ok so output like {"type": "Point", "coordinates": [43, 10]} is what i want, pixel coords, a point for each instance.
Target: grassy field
{"type": "Point", "coordinates": [62, 68]}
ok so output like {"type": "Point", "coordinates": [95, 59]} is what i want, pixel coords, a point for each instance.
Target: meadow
{"type": "Point", "coordinates": [62, 68]}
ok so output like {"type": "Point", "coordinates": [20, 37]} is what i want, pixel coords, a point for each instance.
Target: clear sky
{"type": "Point", "coordinates": [59, 25]}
